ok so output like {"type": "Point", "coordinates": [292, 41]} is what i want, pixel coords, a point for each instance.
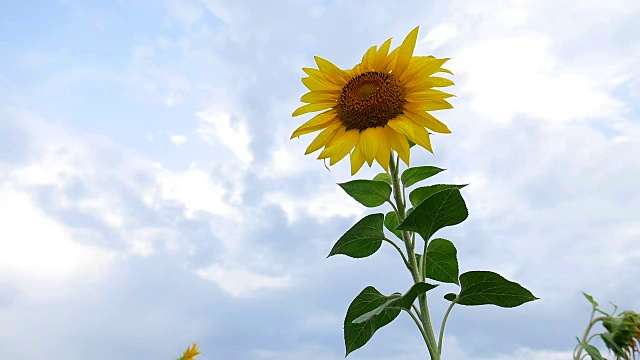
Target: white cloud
{"type": "Point", "coordinates": [438, 35]}
{"type": "Point", "coordinates": [219, 127]}
{"type": "Point", "coordinates": [194, 189]}
{"type": "Point", "coordinates": [178, 140]}
{"type": "Point", "coordinates": [452, 349]}
{"type": "Point", "coordinates": [36, 248]}
{"type": "Point", "coordinates": [241, 282]}
{"type": "Point", "coordinates": [521, 75]}
{"type": "Point", "coordinates": [321, 206]}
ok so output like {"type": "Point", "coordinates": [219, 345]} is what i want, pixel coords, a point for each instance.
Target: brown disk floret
{"type": "Point", "coordinates": [370, 100]}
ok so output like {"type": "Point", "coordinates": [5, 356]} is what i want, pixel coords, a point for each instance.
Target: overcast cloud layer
{"type": "Point", "coordinates": [150, 195]}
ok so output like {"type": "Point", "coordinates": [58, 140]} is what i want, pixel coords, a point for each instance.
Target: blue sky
{"type": "Point", "coordinates": [150, 195]}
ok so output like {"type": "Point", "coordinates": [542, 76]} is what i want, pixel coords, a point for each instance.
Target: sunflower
{"type": "Point", "coordinates": [374, 108]}
{"type": "Point", "coordinates": [190, 353]}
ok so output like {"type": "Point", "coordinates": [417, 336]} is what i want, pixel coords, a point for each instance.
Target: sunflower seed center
{"type": "Point", "coordinates": [370, 100]}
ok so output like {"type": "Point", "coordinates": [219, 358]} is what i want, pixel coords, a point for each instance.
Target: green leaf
{"type": "Point", "coordinates": [442, 261]}
{"type": "Point", "coordinates": [450, 296]}
{"type": "Point", "coordinates": [362, 239]}
{"type": "Point", "coordinates": [591, 300]}
{"type": "Point", "coordinates": [358, 334]}
{"type": "Point", "coordinates": [442, 209]}
{"type": "Point", "coordinates": [411, 143]}
{"type": "Point", "coordinates": [391, 223]}
{"type": "Point", "coordinates": [416, 290]}
{"type": "Point", "coordinates": [420, 194]}
{"type": "Point", "coordinates": [415, 174]}
{"type": "Point", "coordinates": [383, 177]}
{"type": "Point", "coordinates": [486, 287]}
{"type": "Point", "coordinates": [368, 192]}
{"type": "Point", "coordinates": [591, 350]}
{"type": "Point", "coordinates": [367, 316]}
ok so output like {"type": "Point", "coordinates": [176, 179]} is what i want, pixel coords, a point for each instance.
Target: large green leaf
{"type": "Point", "coordinates": [419, 173]}
{"type": "Point", "coordinates": [442, 209]}
{"type": "Point", "coordinates": [369, 300]}
{"type": "Point", "coordinates": [420, 194]}
{"type": "Point", "coordinates": [362, 239]}
{"type": "Point", "coordinates": [368, 315]}
{"type": "Point", "coordinates": [486, 287]}
{"type": "Point", "coordinates": [416, 290]}
{"type": "Point", "coordinates": [442, 261]}
{"type": "Point", "coordinates": [391, 223]}
{"type": "Point", "coordinates": [369, 193]}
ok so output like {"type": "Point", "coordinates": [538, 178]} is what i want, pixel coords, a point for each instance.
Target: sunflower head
{"type": "Point", "coordinates": [623, 334]}
{"type": "Point", "coordinates": [375, 108]}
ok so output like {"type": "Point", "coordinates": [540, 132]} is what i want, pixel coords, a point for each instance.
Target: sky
{"type": "Point", "coordinates": [150, 196]}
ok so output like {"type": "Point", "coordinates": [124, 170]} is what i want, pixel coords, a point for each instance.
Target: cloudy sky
{"type": "Point", "coordinates": [150, 195]}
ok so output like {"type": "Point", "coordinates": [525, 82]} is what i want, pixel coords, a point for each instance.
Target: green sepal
{"type": "Point", "coordinates": [358, 334]}
{"type": "Point", "coordinates": [419, 173]}
{"type": "Point", "coordinates": [369, 193]}
{"type": "Point", "coordinates": [362, 239]}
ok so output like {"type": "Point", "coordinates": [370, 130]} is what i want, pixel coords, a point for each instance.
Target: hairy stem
{"type": "Point", "coordinates": [444, 322]}
{"type": "Point", "coordinates": [584, 339]}
{"type": "Point", "coordinates": [398, 192]}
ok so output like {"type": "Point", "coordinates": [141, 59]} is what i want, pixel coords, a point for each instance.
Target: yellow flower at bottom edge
{"type": "Point", "coordinates": [190, 353]}
{"type": "Point", "coordinates": [375, 107]}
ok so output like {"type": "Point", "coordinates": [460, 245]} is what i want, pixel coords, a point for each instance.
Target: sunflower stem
{"type": "Point", "coordinates": [584, 339]}
{"type": "Point", "coordinates": [426, 328]}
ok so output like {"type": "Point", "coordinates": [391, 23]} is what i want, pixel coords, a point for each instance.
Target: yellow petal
{"type": "Point", "coordinates": [426, 95]}
{"type": "Point", "coordinates": [420, 69]}
{"type": "Point", "coordinates": [405, 52]}
{"type": "Point", "coordinates": [432, 105]}
{"type": "Point", "coordinates": [391, 60]}
{"type": "Point", "coordinates": [384, 148]}
{"type": "Point", "coordinates": [368, 144]}
{"type": "Point", "coordinates": [381, 56]}
{"type": "Point", "coordinates": [402, 124]}
{"type": "Point", "coordinates": [427, 120]}
{"type": "Point", "coordinates": [436, 81]}
{"type": "Point", "coordinates": [322, 138]}
{"type": "Point", "coordinates": [316, 123]}
{"type": "Point", "coordinates": [341, 148]}
{"type": "Point", "coordinates": [313, 107]}
{"type": "Point", "coordinates": [325, 153]}
{"type": "Point", "coordinates": [357, 160]}
{"type": "Point", "coordinates": [400, 144]}
{"type": "Point", "coordinates": [315, 84]}
{"type": "Point", "coordinates": [336, 137]}
{"type": "Point", "coordinates": [322, 77]}
{"type": "Point", "coordinates": [320, 96]}
{"type": "Point", "coordinates": [331, 71]}
{"type": "Point", "coordinates": [368, 60]}
{"type": "Point", "coordinates": [421, 137]}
